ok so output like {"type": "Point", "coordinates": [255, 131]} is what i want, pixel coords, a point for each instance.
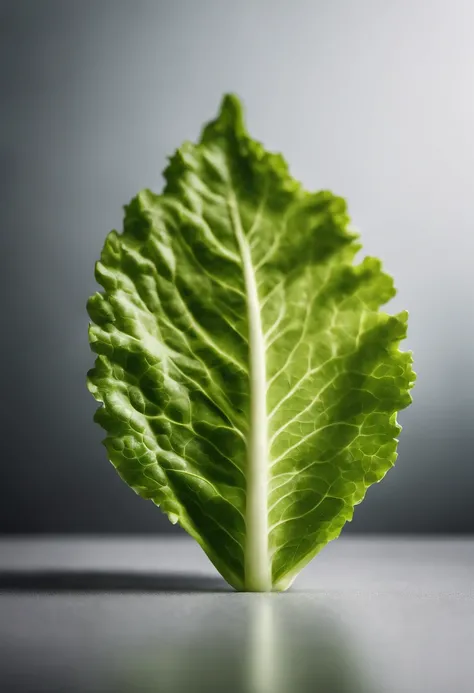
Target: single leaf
{"type": "Point", "coordinates": [249, 383]}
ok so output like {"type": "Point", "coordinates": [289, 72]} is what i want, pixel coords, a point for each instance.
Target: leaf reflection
{"type": "Point", "coordinates": [249, 643]}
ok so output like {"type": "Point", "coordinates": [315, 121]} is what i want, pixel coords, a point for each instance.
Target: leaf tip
{"type": "Point", "coordinates": [229, 119]}
{"type": "Point", "coordinates": [231, 107]}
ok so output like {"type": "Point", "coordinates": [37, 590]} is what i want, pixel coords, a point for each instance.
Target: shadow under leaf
{"type": "Point", "coordinates": [107, 581]}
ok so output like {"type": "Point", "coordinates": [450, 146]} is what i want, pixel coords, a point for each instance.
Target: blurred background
{"type": "Point", "coordinates": [374, 100]}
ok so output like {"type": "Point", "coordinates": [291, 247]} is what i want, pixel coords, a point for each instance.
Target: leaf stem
{"type": "Point", "coordinates": [257, 560]}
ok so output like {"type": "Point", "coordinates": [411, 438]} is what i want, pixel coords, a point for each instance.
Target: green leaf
{"type": "Point", "coordinates": [249, 382]}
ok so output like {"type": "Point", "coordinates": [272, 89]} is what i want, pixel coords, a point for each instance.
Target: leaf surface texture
{"type": "Point", "coordinates": [249, 381]}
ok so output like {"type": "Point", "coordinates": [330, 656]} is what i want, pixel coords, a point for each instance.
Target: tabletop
{"type": "Point", "coordinates": [368, 615]}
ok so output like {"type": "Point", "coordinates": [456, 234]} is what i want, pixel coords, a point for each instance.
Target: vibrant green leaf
{"type": "Point", "coordinates": [249, 382]}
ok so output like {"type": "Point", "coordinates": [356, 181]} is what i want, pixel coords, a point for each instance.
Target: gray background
{"type": "Point", "coordinates": [369, 615]}
{"type": "Point", "coordinates": [374, 100]}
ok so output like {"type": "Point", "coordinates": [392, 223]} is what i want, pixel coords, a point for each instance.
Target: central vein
{"type": "Point", "coordinates": [257, 563]}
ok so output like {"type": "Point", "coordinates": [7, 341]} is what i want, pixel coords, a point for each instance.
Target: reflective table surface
{"type": "Point", "coordinates": [123, 615]}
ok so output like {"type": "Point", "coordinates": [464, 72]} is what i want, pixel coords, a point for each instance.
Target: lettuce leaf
{"type": "Point", "coordinates": [249, 382]}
